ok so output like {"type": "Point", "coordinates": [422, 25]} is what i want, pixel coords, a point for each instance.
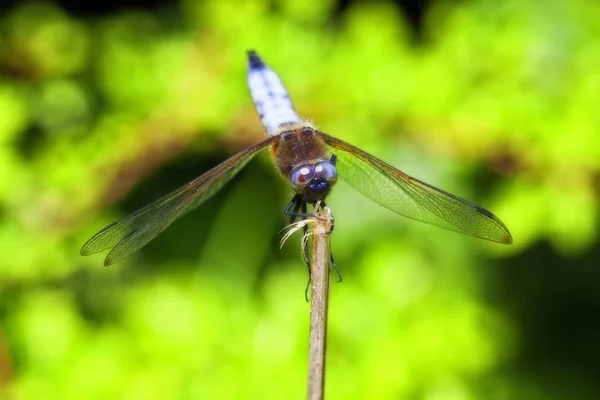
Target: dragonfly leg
{"type": "Point", "coordinates": [293, 209]}
{"type": "Point", "coordinates": [297, 208]}
{"type": "Point", "coordinates": [337, 271]}
{"type": "Point", "coordinates": [306, 252]}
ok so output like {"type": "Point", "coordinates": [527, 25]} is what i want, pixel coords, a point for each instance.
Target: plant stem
{"type": "Point", "coordinates": [319, 303]}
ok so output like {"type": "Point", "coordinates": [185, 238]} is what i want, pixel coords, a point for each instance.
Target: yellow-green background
{"type": "Point", "coordinates": [101, 113]}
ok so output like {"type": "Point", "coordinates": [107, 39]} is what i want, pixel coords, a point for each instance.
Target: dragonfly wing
{"type": "Point", "coordinates": [411, 197]}
{"type": "Point", "coordinates": [135, 230]}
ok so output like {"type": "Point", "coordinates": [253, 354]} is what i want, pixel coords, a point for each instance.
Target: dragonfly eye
{"type": "Point", "coordinates": [302, 175]}
{"type": "Point", "coordinates": [327, 171]}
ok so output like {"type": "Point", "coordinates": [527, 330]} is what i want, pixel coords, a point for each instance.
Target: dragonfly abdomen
{"type": "Point", "coordinates": [269, 95]}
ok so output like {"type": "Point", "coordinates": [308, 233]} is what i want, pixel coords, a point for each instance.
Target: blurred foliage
{"type": "Point", "coordinates": [494, 101]}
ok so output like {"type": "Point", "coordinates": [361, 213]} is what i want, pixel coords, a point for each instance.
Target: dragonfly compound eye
{"type": "Point", "coordinates": [302, 175]}
{"type": "Point", "coordinates": [327, 171]}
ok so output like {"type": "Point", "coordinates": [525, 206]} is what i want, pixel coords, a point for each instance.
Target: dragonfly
{"type": "Point", "coordinates": [311, 162]}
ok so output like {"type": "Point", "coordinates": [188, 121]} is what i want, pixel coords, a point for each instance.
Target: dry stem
{"type": "Point", "coordinates": [320, 270]}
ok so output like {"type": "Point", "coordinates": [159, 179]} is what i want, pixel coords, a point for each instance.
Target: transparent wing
{"type": "Point", "coordinates": [135, 230]}
{"type": "Point", "coordinates": [412, 198]}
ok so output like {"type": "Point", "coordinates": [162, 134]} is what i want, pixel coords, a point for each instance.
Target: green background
{"type": "Point", "coordinates": [497, 102]}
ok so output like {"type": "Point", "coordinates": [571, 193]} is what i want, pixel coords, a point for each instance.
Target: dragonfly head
{"type": "Point", "coordinates": [314, 181]}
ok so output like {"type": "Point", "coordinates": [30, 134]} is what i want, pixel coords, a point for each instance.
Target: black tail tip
{"type": "Point", "coordinates": [254, 60]}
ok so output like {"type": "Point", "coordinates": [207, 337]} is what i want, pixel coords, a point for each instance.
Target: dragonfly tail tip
{"type": "Point", "coordinates": [254, 60]}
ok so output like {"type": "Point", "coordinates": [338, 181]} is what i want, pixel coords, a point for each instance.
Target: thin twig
{"type": "Point", "coordinates": [319, 304]}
